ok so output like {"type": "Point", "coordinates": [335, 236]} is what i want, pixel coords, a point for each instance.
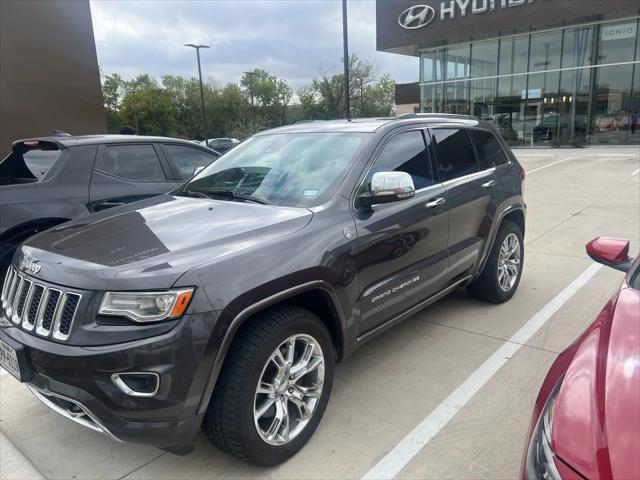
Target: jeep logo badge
{"type": "Point", "coordinates": [416, 17]}
{"type": "Point", "coordinates": [31, 265]}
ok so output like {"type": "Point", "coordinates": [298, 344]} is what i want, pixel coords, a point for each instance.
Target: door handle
{"type": "Point", "coordinates": [436, 203]}
{"type": "Point", "coordinates": [489, 184]}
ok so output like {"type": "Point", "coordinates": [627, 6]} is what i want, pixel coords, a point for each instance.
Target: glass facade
{"type": "Point", "coordinates": [570, 86]}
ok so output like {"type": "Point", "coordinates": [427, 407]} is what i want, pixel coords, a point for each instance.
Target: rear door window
{"type": "Point", "coordinates": [490, 152]}
{"type": "Point", "coordinates": [188, 159]}
{"type": "Point", "coordinates": [138, 163]}
{"type": "Point", "coordinates": [454, 152]}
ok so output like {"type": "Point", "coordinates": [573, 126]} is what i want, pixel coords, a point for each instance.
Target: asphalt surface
{"type": "Point", "coordinates": [446, 394]}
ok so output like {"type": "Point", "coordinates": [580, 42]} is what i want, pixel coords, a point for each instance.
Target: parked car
{"type": "Point", "coordinates": [547, 129]}
{"type": "Point", "coordinates": [226, 303]}
{"type": "Point", "coordinates": [586, 417]}
{"type": "Point", "coordinates": [222, 144]}
{"type": "Point", "coordinates": [48, 180]}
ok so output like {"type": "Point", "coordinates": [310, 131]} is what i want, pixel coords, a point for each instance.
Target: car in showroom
{"type": "Point", "coordinates": [46, 181]}
{"type": "Point", "coordinates": [226, 303]}
{"type": "Point", "coordinates": [586, 417]}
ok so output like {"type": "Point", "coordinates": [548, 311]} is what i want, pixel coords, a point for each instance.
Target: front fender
{"type": "Point", "coordinates": [238, 312]}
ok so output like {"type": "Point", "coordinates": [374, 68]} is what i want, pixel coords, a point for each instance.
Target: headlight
{"type": "Point", "coordinates": [540, 457]}
{"type": "Point", "coordinates": [146, 306]}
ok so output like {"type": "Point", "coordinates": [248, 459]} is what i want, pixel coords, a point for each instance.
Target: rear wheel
{"type": "Point", "coordinates": [273, 388]}
{"type": "Point", "coordinates": [501, 275]}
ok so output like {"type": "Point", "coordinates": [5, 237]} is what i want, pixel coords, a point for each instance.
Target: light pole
{"type": "Point", "coordinates": [345, 44]}
{"type": "Point", "coordinates": [204, 116]}
{"type": "Point", "coordinates": [135, 108]}
{"type": "Point", "coordinates": [253, 107]}
{"type": "Point", "coordinates": [361, 98]}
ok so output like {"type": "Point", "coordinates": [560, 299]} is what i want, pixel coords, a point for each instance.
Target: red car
{"type": "Point", "coordinates": [586, 420]}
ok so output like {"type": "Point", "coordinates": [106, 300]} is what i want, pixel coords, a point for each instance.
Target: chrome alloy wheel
{"type": "Point", "coordinates": [509, 262]}
{"type": "Point", "coordinates": [289, 389]}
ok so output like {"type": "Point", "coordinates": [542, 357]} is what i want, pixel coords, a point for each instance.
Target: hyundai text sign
{"type": "Point", "coordinates": [419, 16]}
{"type": "Point", "coordinates": [408, 26]}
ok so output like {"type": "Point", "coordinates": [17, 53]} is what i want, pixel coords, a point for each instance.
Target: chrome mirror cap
{"type": "Point", "coordinates": [387, 187]}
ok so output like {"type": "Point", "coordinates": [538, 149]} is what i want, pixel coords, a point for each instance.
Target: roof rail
{"type": "Point", "coordinates": [406, 116]}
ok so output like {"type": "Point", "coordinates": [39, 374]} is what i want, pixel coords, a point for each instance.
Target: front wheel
{"type": "Point", "coordinates": [274, 387]}
{"type": "Point", "coordinates": [501, 275]}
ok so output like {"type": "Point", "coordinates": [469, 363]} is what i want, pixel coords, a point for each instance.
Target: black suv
{"type": "Point", "coordinates": [226, 303]}
{"type": "Point", "coordinates": [48, 180]}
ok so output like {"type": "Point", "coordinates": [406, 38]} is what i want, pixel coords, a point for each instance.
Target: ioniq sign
{"type": "Point", "coordinates": [419, 16]}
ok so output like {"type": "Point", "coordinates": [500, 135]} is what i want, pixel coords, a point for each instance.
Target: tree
{"type": "Point", "coordinates": [271, 95]}
{"type": "Point", "coordinates": [111, 88]}
{"type": "Point", "coordinates": [171, 106]}
{"type": "Point", "coordinates": [325, 97]}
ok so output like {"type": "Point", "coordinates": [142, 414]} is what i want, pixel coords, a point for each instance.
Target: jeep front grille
{"type": "Point", "coordinates": [34, 306]}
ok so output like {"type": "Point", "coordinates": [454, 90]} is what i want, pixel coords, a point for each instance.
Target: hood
{"type": "Point", "coordinates": [150, 244]}
{"type": "Point", "coordinates": [597, 412]}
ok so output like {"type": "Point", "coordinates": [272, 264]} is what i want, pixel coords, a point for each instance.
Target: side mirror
{"type": "Point", "coordinates": [612, 252]}
{"type": "Point", "coordinates": [387, 187]}
{"type": "Point", "coordinates": [197, 171]}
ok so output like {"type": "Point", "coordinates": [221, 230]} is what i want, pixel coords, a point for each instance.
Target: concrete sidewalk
{"type": "Point", "coordinates": [13, 464]}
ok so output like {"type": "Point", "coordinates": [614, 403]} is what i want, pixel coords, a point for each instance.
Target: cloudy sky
{"type": "Point", "coordinates": [295, 39]}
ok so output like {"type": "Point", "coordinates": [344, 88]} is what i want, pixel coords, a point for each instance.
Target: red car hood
{"type": "Point", "coordinates": [596, 418]}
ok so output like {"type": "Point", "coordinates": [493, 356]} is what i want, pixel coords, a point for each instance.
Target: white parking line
{"type": "Point", "coordinates": [635, 173]}
{"type": "Point", "coordinates": [409, 446]}
{"type": "Point", "coordinates": [548, 165]}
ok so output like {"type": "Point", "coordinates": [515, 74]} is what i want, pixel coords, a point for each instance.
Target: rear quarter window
{"type": "Point", "coordinates": [39, 162]}
{"type": "Point", "coordinates": [25, 165]}
{"type": "Point", "coordinates": [490, 152]}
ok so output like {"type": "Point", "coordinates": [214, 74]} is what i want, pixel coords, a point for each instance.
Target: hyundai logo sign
{"type": "Point", "coordinates": [416, 17]}
{"type": "Point", "coordinates": [420, 16]}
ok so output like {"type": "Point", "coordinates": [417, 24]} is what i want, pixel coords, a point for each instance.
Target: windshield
{"type": "Point", "coordinates": [296, 169]}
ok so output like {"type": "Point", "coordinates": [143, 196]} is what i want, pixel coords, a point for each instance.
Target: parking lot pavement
{"type": "Point", "coordinates": [394, 383]}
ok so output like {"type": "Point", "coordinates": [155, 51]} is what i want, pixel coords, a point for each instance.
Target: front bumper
{"type": "Point", "coordinates": [76, 382]}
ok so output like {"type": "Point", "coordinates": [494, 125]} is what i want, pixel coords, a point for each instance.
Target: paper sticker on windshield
{"type": "Point", "coordinates": [310, 193]}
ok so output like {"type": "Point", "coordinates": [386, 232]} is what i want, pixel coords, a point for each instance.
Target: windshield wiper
{"type": "Point", "coordinates": [190, 193]}
{"type": "Point", "coordinates": [239, 195]}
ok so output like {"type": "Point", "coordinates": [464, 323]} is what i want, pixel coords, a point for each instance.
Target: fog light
{"type": "Point", "coordinates": [137, 384]}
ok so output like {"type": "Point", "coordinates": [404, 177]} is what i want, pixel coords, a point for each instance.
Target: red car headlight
{"type": "Point", "coordinates": [540, 456]}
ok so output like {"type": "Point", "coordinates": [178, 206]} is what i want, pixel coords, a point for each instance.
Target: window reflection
{"type": "Point", "coordinates": [514, 55]}
{"type": "Point", "coordinates": [510, 109]}
{"type": "Point", "coordinates": [545, 54]}
{"type": "Point", "coordinates": [484, 59]}
{"type": "Point", "coordinates": [577, 47]}
{"type": "Point", "coordinates": [612, 107]}
{"type": "Point", "coordinates": [561, 87]}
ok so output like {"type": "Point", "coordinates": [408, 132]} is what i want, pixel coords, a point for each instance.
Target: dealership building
{"type": "Point", "coordinates": [546, 72]}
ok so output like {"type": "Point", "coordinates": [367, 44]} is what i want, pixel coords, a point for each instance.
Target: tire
{"type": "Point", "coordinates": [490, 286]}
{"type": "Point", "coordinates": [230, 421]}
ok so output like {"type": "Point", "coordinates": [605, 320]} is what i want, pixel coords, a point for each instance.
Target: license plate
{"type": "Point", "coordinates": [9, 360]}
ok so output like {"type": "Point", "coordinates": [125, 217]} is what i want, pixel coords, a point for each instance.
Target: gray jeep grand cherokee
{"type": "Point", "coordinates": [226, 303]}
